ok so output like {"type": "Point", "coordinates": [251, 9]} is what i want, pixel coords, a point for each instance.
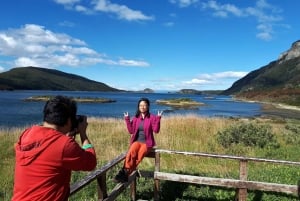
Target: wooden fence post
{"type": "Point", "coordinates": [156, 181]}
{"type": "Point", "coordinates": [242, 194]}
{"type": "Point", "coordinates": [102, 189]}
{"type": "Point", "coordinates": [133, 189]}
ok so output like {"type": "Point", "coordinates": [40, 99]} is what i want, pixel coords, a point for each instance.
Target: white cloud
{"type": "Point", "coordinates": [67, 1]}
{"type": "Point", "coordinates": [183, 3]}
{"type": "Point", "coordinates": [205, 81]}
{"type": "Point", "coordinates": [1, 69]}
{"type": "Point", "coordinates": [33, 45]}
{"type": "Point", "coordinates": [265, 14]}
{"type": "Point", "coordinates": [122, 11]}
{"type": "Point", "coordinates": [92, 6]}
{"type": "Point", "coordinates": [228, 75]}
{"type": "Point", "coordinates": [221, 79]}
{"type": "Point", "coordinates": [169, 24]}
{"type": "Point", "coordinates": [197, 81]}
{"type": "Point", "coordinates": [25, 61]}
{"type": "Point", "coordinates": [223, 9]}
{"type": "Point", "coordinates": [66, 24]}
{"type": "Point", "coordinates": [124, 62]}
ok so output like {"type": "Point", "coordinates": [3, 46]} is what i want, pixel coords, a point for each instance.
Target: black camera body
{"type": "Point", "coordinates": [78, 119]}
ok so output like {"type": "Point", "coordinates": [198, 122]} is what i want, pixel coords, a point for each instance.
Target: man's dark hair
{"type": "Point", "coordinates": [57, 110]}
{"type": "Point", "coordinates": [137, 113]}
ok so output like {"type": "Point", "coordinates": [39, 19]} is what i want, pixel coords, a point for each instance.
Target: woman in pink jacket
{"type": "Point", "coordinates": [141, 129]}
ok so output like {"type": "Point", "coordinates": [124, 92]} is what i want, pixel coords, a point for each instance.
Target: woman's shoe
{"type": "Point", "coordinates": [121, 177]}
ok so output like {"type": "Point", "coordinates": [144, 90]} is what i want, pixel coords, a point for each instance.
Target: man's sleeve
{"type": "Point", "coordinates": [76, 158]}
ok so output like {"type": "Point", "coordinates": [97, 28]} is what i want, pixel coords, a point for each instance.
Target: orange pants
{"type": "Point", "coordinates": [134, 156]}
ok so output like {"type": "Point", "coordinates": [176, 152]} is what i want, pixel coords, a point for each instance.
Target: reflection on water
{"type": "Point", "coordinates": [15, 111]}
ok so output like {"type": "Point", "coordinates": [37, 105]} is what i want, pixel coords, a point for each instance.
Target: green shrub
{"type": "Point", "coordinates": [292, 136]}
{"type": "Point", "coordinates": [247, 134]}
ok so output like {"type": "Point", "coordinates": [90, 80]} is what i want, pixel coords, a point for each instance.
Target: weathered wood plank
{"type": "Point", "coordinates": [228, 157]}
{"type": "Point", "coordinates": [146, 174]}
{"type": "Point", "coordinates": [156, 181]}
{"type": "Point", "coordinates": [242, 184]}
{"type": "Point", "coordinates": [230, 183]}
{"type": "Point", "coordinates": [93, 175]}
{"type": "Point", "coordinates": [120, 187]}
{"type": "Point", "coordinates": [242, 192]}
{"type": "Point", "coordinates": [102, 187]}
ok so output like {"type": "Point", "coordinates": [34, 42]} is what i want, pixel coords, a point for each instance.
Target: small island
{"type": "Point", "coordinates": [180, 103]}
{"type": "Point", "coordinates": [77, 99]}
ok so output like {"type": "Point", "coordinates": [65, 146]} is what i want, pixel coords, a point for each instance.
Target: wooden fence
{"type": "Point", "coordinates": [241, 184]}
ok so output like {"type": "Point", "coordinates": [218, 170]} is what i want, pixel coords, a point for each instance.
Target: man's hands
{"type": "Point", "coordinates": [81, 129]}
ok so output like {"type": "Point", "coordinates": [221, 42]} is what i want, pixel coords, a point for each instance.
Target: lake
{"type": "Point", "coordinates": [14, 111]}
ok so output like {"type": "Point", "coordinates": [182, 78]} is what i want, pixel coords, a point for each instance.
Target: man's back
{"type": "Point", "coordinates": [44, 160]}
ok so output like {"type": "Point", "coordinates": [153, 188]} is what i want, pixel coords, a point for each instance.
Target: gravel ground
{"type": "Point", "coordinates": [272, 111]}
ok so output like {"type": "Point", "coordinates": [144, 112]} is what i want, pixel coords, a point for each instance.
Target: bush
{"type": "Point", "coordinates": [292, 135]}
{"type": "Point", "coordinates": [247, 134]}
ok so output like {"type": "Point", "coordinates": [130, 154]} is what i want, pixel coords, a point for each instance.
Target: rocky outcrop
{"type": "Point", "coordinates": [292, 53]}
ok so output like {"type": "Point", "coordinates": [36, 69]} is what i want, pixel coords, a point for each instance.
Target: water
{"type": "Point", "coordinates": [14, 111]}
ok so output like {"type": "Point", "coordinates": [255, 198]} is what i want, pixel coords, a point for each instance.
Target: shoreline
{"type": "Point", "coordinates": [276, 110]}
{"type": "Point", "coordinates": [280, 110]}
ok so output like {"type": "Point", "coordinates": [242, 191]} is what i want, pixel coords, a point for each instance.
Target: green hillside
{"type": "Point", "coordinates": [279, 81]}
{"type": "Point", "coordinates": [35, 78]}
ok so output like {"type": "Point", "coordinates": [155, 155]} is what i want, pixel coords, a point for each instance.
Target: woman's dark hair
{"type": "Point", "coordinates": [59, 109]}
{"type": "Point", "coordinates": [137, 114]}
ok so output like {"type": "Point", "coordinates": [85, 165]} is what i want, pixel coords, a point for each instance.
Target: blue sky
{"type": "Point", "coordinates": [157, 44]}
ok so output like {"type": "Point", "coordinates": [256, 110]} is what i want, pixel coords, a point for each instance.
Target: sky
{"type": "Point", "coordinates": [158, 44]}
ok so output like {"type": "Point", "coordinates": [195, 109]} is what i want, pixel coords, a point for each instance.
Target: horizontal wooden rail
{"type": "Point", "coordinates": [120, 187]}
{"type": "Point", "coordinates": [242, 184]}
{"type": "Point", "coordinates": [95, 174]}
{"type": "Point", "coordinates": [230, 183]}
{"type": "Point", "coordinates": [241, 158]}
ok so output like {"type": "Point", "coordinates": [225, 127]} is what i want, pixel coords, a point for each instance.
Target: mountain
{"type": "Point", "coordinates": [189, 91]}
{"type": "Point", "coordinates": [279, 81]}
{"type": "Point", "coordinates": [35, 78]}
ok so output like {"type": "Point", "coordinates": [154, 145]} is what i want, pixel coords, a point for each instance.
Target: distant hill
{"type": "Point", "coordinates": [279, 81]}
{"type": "Point", "coordinates": [35, 78]}
{"type": "Point", "coordinates": [189, 91]}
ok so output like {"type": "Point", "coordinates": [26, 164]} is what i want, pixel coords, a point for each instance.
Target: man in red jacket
{"type": "Point", "coordinates": [46, 154]}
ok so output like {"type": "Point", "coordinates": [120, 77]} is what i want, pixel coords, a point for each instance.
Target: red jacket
{"type": "Point", "coordinates": [44, 160]}
{"type": "Point", "coordinates": [151, 124]}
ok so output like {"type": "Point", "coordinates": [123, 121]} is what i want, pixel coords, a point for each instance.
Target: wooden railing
{"type": "Point", "coordinates": [241, 184]}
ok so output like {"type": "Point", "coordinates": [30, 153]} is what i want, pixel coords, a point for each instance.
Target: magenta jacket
{"type": "Point", "coordinates": [151, 125]}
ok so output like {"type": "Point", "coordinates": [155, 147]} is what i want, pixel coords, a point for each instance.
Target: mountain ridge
{"type": "Point", "coordinates": [37, 78]}
{"type": "Point", "coordinates": [278, 81]}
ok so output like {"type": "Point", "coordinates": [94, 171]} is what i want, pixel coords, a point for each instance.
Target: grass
{"type": "Point", "coordinates": [183, 133]}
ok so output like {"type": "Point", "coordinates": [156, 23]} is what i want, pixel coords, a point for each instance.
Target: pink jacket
{"type": "Point", "coordinates": [151, 124]}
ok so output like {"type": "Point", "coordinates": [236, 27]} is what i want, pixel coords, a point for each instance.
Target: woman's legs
{"type": "Point", "coordinates": [135, 155]}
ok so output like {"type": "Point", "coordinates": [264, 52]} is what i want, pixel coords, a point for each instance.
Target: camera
{"type": "Point", "coordinates": [78, 119]}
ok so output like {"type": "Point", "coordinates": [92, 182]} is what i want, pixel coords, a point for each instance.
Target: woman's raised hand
{"type": "Point", "coordinates": [125, 114]}
{"type": "Point", "coordinates": [159, 113]}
